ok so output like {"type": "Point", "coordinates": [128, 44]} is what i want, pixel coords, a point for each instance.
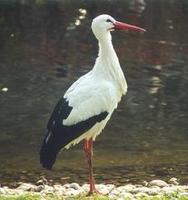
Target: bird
{"type": "Point", "coordinates": [86, 107]}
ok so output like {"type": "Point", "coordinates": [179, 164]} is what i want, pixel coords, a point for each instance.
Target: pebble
{"type": "Point", "coordinates": [128, 191]}
{"type": "Point", "coordinates": [169, 190]}
{"type": "Point", "coordinates": [159, 183]}
{"type": "Point", "coordinates": [42, 181]}
{"type": "Point", "coordinates": [26, 187]}
{"type": "Point", "coordinates": [154, 190]}
{"type": "Point", "coordinates": [38, 188]}
{"type": "Point", "coordinates": [128, 187]}
{"type": "Point", "coordinates": [173, 181]}
{"type": "Point", "coordinates": [184, 195]}
{"type": "Point", "coordinates": [104, 189]}
{"type": "Point", "coordinates": [127, 195]}
{"type": "Point", "coordinates": [141, 190]}
{"type": "Point", "coordinates": [141, 194]}
{"type": "Point", "coordinates": [85, 187]}
{"type": "Point", "coordinates": [2, 191]}
{"type": "Point", "coordinates": [75, 186]}
{"type": "Point", "coordinates": [47, 190]}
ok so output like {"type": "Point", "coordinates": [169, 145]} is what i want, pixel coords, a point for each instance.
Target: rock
{"type": "Point", "coordinates": [104, 189]}
{"type": "Point", "coordinates": [128, 187]}
{"type": "Point", "coordinates": [71, 192]}
{"type": "Point", "coordinates": [67, 185]}
{"type": "Point", "coordinates": [47, 189]}
{"type": "Point", "coordinates": [42, 181]}
{"type": "Point", "coordinates": [158, 183]}
{"type": "Point", "coordinates": [145, 183]}
{"type": "Point", "coordinates": [26, 187]}
{"type": "Point", "coordinates": [126, 195]}
{"type": "Point", "coordinates": [140, 190]}
{"type": "Point", "coordinates": [119, 198]}
{"type": "Point", "coordinates": [112, 196]}
{"type": "Point", "coordinates": [174, 181]}
{"type": "Point", "coordinates": [184, 195]}
{"type": "Point", "coordinates": [6, 189]}
{"type": "Point", "coordinates": [141, 194]}
{"type": "Point", "coordinates": [20, 183]}
{"type": "Point", "coordinates": [75, 186]}
{"type": "Point", "coordinates": [38, 188]}
{"type": "Point", "coordinates": [154, 190]}
{"type": "Point", "coordinates": [39, 182]}
{"type": "Point", "coordinates": [58, 187]}
{"type": "Point", "coordinates": [85, 187]}
{"type": "Point", "coordinates": [183, 188]}
{"type": "Point", "coordinates": [2, 191]}
{"type": "Point", "coordinates": [168, 190]}
{"type": "Point", "coordinates": [116, 191]}
{"type": "Point", "coordinates": [18, 192]}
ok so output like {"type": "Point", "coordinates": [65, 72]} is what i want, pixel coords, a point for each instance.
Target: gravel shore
{"type": "Point", "coordinates": [129, 191]}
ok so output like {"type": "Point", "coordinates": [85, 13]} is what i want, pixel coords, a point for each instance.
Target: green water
{"type": "Point", "coordinates": [47, 45]}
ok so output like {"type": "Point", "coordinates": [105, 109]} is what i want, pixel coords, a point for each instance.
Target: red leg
{"type": "Point", "coordinates": [88, 148]}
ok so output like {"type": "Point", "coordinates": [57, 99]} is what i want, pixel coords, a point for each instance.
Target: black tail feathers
{"type": "Point", "coordinates": [48, 151]}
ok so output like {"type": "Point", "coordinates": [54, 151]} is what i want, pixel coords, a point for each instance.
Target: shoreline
{"type": "Point", "coordinates": [155, 189]}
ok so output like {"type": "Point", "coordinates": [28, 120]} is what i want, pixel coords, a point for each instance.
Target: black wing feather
{"type": "Point", "coordinates": [59, 135]}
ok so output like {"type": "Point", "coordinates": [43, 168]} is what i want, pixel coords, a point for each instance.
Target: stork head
{"type": "Point", "coordinates": [103, 24]}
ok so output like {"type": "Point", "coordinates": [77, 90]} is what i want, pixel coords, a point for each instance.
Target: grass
{"type": "Point", "coordinates": [20, 197]}
{"type": "Point", "coordinates": [50, 197]}
{"type": "Point", "coordinates": [81, 197]}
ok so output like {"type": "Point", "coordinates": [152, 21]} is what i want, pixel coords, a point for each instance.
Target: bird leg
{"type": "Point", "coordinates": [88, 148]}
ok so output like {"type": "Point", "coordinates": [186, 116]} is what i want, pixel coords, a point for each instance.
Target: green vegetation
{"type": "Point", "coordinates": [81, 197]}
{"type": "Point", "coordinates": [50, 197]}
{"type": "Point", "coordinates": [20, 197]}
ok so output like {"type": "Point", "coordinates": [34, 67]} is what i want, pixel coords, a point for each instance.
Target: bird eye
{"type": "Point", "coordinates": [108, 20]}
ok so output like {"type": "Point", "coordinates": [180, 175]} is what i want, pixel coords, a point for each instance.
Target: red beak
{"type": "Point", "coordinates": [124, 26]}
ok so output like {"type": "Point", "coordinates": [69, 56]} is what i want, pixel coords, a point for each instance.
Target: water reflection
{"type": "Point", "coordinates": [137, 6]}
{"type": "Point", "coordinates": [4, 89]}
{"type": "Point", "coordinates": [44, 48]}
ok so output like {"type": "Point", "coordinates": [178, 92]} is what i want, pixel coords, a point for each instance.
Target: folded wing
{"type": "Point", "coordinates": [70, 119]}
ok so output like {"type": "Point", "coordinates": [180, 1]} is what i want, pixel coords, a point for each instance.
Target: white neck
{"type": "Point", "coordinates": [107, 64]}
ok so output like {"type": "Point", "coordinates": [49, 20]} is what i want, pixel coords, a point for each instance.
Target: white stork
{"type": "Point", "coordinates": [88, 104]}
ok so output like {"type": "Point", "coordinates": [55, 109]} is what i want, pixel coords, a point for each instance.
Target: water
{"type": "Point", "coordinates": [47, 45]}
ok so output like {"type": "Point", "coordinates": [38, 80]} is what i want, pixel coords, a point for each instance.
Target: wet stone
{"type": "Point", "coordinates": [85, 187]}
{"type": "Point", "coordinates": [47, 189]}
{"type": "Point", "coordinates": [126, 195]}
{"type": "Point", "coordinates": [114, 192]}
{"type": "Point", "coordinates": [168, 190]}
{"type": "Point", "coordinates": [154, 190]}
{"type": "Point", "coordinates": [129, 187]}
{"type": "Point", "coordinates": [2, 191]}
{"type": "Point", "coordinates": [71, 192]}
{"type": "Point", "coordinates": [141, 194]}
{"type": "Point", "coordinates": [42, 181]}
{"type": "Point", "coordinates": [38, 188]}
{"type": "Point", "coordinates": [159, 183]}
{"type": "Point", "coordinates": [75, 186]}
{"type": "Point", "coordinates": [104, 189]}
{"type": "Point", "coordinates": [26, 187]}
{"type": "Point", "coordinates": [39, 182]}
{"type": "Point", "coordinates": [173, 181]}
{"type": "Point", "coordinates": [184, 195]}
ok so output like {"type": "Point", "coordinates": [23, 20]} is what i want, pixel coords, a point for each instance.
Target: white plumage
{"type": "Point", "coordinates": [100, 89]}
